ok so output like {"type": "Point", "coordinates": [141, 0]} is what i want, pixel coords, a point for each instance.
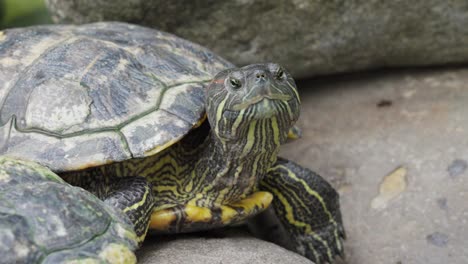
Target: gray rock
{"type": "Point", "coordinates": [308, 37]}
{"type": "Point", "coordinates": [235, 248]}
{"type": "Point", "coordinates": [398, 153]}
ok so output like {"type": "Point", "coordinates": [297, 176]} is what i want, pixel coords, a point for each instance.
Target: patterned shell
{"type": "Point", "coordinates": [73, 97]}
{"type": "Point", "coordinates": [45, 220]}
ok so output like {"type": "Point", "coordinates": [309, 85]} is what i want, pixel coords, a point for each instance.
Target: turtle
{"type": "Point", "coordinates": [108, 104]}
{"type": "Point", "coordinates": [45, 220]}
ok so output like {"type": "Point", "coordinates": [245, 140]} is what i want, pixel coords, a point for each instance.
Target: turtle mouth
{"type": "Point", "coordinates": [259, 98]}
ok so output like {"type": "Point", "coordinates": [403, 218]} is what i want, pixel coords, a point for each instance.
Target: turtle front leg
{"type": "Point", "coordinates": [131, 195]}
{"type": "Point", "coordinates": [191, 217]}
{"type": "Point", "coordinates": [308, 209]}
{"type": "Point", "coordinates": [134, 196]}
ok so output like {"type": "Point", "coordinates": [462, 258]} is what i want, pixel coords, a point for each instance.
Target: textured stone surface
{"type": "Point", "coordinates": [308, 37]}
{"type": "Point", "coordinates": [238, 248]}
{"type": "Point", "coordinates": [401, 138]}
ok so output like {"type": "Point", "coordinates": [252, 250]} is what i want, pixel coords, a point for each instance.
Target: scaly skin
{"type": "Point", "coordinates": [308, 208]}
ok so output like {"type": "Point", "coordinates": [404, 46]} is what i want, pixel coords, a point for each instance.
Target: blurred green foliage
{"type": "Point", "coordinates": [20, 13]}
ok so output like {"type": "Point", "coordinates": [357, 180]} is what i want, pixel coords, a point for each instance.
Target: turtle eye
{"type": "Point", "coordinates": [235, 83]}
{"type": "Point", "coordinates": [279, 75]}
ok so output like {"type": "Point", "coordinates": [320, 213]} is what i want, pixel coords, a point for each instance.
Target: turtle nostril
{"type": "Point", "coordinates": [260, 76]}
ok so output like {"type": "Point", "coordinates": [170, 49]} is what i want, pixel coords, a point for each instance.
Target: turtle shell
{"type": "Point", "coordinates": [73, 97]}
{"type": "Point", "coordinates": [43, 219]}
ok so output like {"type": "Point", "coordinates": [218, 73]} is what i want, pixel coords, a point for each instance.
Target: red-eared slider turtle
{"type": "Point", "coordinates": [45, 220]}
{"type": "Point", "coordinates": [103, 103]}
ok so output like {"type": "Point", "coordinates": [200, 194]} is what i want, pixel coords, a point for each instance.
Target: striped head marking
{"type": "Point", "coordinates": [238, 97]}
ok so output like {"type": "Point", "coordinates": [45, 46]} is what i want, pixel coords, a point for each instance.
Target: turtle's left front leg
{"type": "Point", "coordinates": [308, 208]}
{"type": "Point", "coordinates": [132, 195]}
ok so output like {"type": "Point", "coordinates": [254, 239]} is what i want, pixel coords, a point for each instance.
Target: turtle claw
{"type": "Point", "coordinates": [322, 246]}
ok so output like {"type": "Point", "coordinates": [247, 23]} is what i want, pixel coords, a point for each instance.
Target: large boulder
{"type": "Point", "coordinates": [308, 37]}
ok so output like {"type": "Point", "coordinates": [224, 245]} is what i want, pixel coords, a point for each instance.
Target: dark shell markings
{"type": "Point", "coordinates": [75, 97]}
{"type": "Point", "coordinates": [61, 221]}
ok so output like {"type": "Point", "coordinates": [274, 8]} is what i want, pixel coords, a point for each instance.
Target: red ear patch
{"type": "Point", "coordinates": [218, 81]}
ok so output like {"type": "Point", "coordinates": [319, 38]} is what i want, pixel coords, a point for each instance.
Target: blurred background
{"type": "Point", "coordinates": [384, 88]}
{"type": "Point", "coordinates": [18, 13]}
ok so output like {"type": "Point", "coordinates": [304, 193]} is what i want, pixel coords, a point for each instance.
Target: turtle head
{"type": "Point", "coordinates": [240, 98]}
